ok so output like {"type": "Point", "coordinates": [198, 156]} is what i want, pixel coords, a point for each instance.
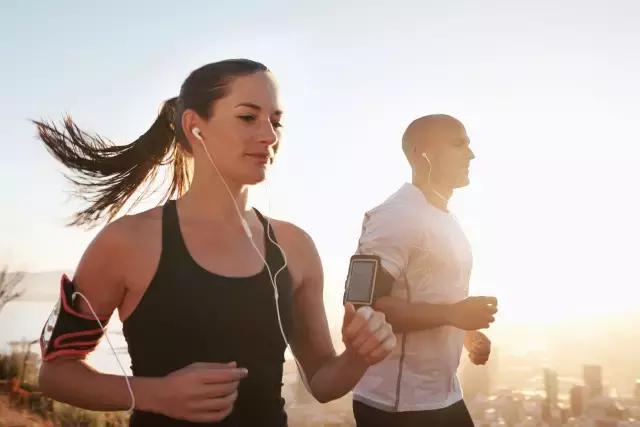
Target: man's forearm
{"type": "Point", "coordinates": [336, 377]}
{"type": "Point", "coordinates": [407, 317]}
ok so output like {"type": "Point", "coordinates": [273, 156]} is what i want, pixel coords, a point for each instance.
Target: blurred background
{"type": "Point", "coordinates": [548, 92]}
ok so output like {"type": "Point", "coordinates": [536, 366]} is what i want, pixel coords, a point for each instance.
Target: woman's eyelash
{"type": "Point", "coordinates": [250, 118]}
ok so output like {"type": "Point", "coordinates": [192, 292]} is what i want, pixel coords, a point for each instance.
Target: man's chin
{"type": "Point", "coordinates": [462, 182]}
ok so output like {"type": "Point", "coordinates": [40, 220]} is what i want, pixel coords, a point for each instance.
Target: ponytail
{"type": "Point", "coordinates": [107, 175]}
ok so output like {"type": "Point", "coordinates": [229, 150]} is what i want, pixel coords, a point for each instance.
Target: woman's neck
{"type": "Point", "coordinates": [209, 199]}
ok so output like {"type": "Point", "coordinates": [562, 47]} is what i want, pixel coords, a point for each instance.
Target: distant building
{"type": "Point", "coordinates": [551, 386]}
{"type": "Point", "coordinates": [576, 399]}
{"type": "Point", "coordinates": [593, 380]}
{"type": "Point", "coordinates": [546, 411]}
{"type": "Point", "coordinates": [565, 414]}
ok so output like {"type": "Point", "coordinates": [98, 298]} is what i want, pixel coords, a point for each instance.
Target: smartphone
{"type": "Point", "coordinates": [361, 280]}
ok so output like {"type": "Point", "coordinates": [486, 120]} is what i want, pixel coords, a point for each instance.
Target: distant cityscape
{"type": "Point", "coordinates": [559, 401]}
{"type": "Point", "coordinates": [588, 403]}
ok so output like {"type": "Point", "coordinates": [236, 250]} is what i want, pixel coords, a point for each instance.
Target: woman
{"type": "Point", "coordinates": [192, 280]}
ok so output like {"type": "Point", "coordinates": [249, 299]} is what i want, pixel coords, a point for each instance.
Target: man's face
{"type": "Point", "coordinates": [447, 147]}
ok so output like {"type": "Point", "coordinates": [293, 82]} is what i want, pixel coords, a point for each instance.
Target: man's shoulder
{"type": "Point", "coordinates": [401, 209]}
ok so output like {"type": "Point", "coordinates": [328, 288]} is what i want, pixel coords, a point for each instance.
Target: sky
{"type": "Point", "coordinates": [548, 92]}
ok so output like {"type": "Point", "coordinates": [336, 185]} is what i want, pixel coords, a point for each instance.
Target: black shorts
{"type": "Point", "coordinates": [455, 415]}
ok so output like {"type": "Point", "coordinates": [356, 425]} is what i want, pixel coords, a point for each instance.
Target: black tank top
{"type": "Point", "coordinates": [189, 314]}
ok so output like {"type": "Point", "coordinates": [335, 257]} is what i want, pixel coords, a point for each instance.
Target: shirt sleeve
{"type": "Point", "coordinates": [390, 234]}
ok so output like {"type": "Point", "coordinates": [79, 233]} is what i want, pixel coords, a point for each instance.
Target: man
{"type": "Point", "coordinates": [423, 249]}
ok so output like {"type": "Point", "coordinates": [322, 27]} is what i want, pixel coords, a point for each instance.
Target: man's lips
{"type": "Point", "coordinates": [262, 157]}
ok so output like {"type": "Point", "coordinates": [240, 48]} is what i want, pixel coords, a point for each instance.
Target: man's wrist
{"type": "Point", "coordinates": [469, 337]}
{"type": "Point", "coordinates": [449, 314]}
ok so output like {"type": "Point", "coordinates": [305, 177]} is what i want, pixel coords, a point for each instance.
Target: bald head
{"type": "Point", "coordinates": [437, 148]}
{"type": "Point", "coordinates": [423, 131]}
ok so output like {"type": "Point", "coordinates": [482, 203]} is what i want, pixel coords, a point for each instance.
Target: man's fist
{"type": "Point", "coordinates": [473, 313]}
{"type": "Point", "coordinates": [478, 346]}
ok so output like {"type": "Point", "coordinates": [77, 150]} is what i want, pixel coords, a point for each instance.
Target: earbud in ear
{"type": "Point", "coordinates": [196, 132]}
{"type": "Point", "coordinates": [426, 157]}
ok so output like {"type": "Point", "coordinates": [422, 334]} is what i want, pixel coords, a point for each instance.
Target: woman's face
{"type": "Point", "coordinates": [244, 129]}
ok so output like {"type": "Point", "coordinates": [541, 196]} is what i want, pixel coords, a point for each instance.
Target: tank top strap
{"type": "Point", "coordinates": [173, 245]}
{"type": "Point", "coordinates": [274, 256]}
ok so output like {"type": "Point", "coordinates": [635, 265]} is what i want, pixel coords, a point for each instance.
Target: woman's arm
{"type": "Point", "coordinates": [368, 338]}
{"type": "Point", "coordinates": [201, 392]}
{"type": "Point", "coordinates": [70, 379]}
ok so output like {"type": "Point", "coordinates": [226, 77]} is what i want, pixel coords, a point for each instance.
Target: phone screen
{"type": "Point", "coordinates": [360, 285]}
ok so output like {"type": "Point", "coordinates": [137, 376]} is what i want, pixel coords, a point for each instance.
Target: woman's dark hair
{"type": "Point", "coordinates": [106, 175]}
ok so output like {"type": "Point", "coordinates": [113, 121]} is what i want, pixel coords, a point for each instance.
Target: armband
{"type": "Point", "coordinates": [68, 332]}
{"type": "Point", "coordinates": [367, 280]}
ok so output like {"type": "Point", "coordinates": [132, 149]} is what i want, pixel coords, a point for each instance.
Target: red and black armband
{"type": "Point", "coordinates": [67, 331]}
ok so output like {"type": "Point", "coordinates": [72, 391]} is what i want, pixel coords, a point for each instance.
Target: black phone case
{"type": "Point", "coordinates": [382, 284]}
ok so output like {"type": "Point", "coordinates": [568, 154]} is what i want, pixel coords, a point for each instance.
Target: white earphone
{"type": "Point", "coordinates": [436, 192]}
{"type": "Point", "coordinates": [426, 158]}
{"type": "Point", "coordinates": [196, 132]}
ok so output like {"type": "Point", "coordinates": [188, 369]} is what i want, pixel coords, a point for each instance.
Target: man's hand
{"type": "Point", "coordinates": [478, 346]}
{"type": "Point", "coordinates": [473, 313]}
{"type": "Point", "coordinates": [366, 334]}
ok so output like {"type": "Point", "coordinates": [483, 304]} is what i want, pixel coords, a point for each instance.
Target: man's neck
{"type": "Point", "coordinates": [437, 195]}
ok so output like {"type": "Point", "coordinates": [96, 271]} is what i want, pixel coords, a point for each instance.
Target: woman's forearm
{"type": "Point", "coordinates": [336, 377]}
{"type": "Point", "coordinates": [76, 383]}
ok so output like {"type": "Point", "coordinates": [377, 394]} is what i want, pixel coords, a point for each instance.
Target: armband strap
{"type": "Point", "coordinates": [384, 283]}
{"type": "Point", "coordinates": [68, 332]}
